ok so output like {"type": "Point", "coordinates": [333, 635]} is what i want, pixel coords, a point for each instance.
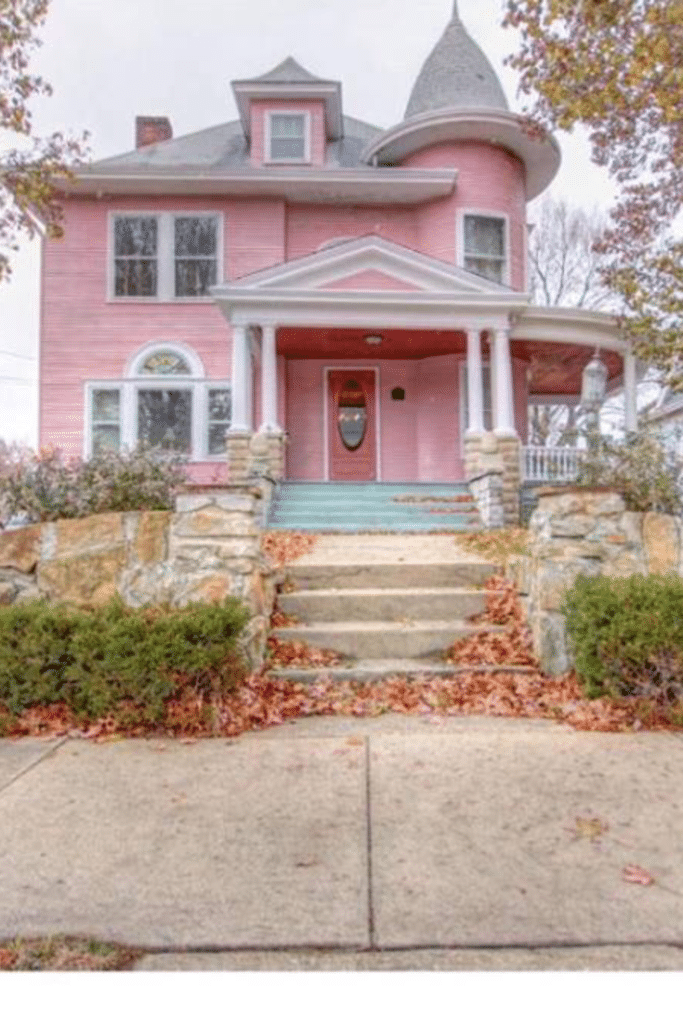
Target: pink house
{"type": "Point", "coordinates": [299, 272]}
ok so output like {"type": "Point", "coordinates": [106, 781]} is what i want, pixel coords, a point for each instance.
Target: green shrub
{"type": "Point", "coordinates": [96, 660]}
{"type": "Point", "coordinates": [46, 486]}
{"type": "Point", "coordinates": [643, 470]}
{"type": "Point", "coordinates": [627, 636]}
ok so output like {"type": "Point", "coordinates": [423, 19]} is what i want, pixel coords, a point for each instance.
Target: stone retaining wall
{"type": "Point", "coordinates": [589, 532]}
{"type": "Point", "coordinates": [207, 550]}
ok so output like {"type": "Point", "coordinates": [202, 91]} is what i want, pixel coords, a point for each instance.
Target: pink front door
{"type": "Point", "coordinates": [352, 429]}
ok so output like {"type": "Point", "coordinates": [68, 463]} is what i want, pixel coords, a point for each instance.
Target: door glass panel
{"type": "Point", "coordinates": [352, 415]}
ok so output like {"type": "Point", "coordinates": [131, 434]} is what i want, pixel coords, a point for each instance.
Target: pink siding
{"type": "Point", "coordinates": [371, 280]}
{"type": "Point", "coordinates": [489, 179]}
{"type": "Point", "coordinates": [419, 436]}
{"type": "Point", "coordinates": [309, 226]}
{"type": "Point", "coordinates": [84, 337]}
{"type": "Point", "coordinates": [259, 109]}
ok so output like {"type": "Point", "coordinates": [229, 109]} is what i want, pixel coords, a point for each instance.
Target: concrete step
{"type": "Point", "coordinates": [381, 639]}
{"type": "Point", "coordinates": [395, 604]}
{"type": "Point", "coordinates": [380, 575]}
{"type": "Point", "coordinates": [294, 526]}
{"type": "Point", "coordinates": [370, 670]}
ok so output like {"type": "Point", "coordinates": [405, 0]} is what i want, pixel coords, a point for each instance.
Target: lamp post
{"type": "Point", "coordinates": [593, 388]}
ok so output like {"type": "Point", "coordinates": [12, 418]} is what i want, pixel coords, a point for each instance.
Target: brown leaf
{"type": "Point", "coordinates": [637, 875]}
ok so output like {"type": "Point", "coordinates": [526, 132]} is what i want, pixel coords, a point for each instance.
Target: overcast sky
{"type": "Point", "coordinates": [109, 61]}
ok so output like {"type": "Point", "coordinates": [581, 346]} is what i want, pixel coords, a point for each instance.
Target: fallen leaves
{"type": "Point", "coordinates": [283, 547]}
{"type": "Point", "coordinates": [496, 545]}
{"type": "Point", "coordinates": [298, 654]}
{"type": "Point", "coordinates": [589, 828]}
{"type": "Point", "coordinates": [637, 875]}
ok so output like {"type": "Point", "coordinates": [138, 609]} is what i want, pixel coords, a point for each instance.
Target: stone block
{"type": "Point", "coordinates": [213, 522]}
{"type": "Point", "coordinates": [553, 579]}
{"type": "Point", "coordinates": [625, 563]}
{"type": "Point", "coordinates": [213, 587]}
{"type": "Point", "coordinates": [95, 534]}
{"type": "Point", "coordinates": [193, 549]}
{"type": "Point", "coordinates": [151, 538]}
{"type": "Point", "coordinates": [550, 643]}
{"type": "Point", "coordinates": [20, 549]}
{"type": "Point", "coordinates": [88, 580]}
{"type": "Point", "coordinates": [571, 525]}
{"type": "Point", "coordinates": [662, 543]}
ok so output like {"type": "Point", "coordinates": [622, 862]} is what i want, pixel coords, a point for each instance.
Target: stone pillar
{"type": "Point", "coordinates": [510, 451]}
{"type": "Point", "coordinates": [630, 393]}
{"type": "Point", "coordinates": [269, 419]}
{"type": "Point", "coordinates": [475, 384]}
{"type": "Point", "coordinates": [503, 398]}
{"type": "Point", "coordinates": [239, 456]}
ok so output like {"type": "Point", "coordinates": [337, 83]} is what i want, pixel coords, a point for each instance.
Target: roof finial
{"type": "Point", "coordinates": [456, 15]}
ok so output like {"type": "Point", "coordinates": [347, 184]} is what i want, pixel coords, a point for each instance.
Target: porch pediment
{"type": "Point", "coordinates": [370, 264]}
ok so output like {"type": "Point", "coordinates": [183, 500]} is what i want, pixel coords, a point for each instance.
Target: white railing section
{"type": "Point", "coordinates": [549, 465]}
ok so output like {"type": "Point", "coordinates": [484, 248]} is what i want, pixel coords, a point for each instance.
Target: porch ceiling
{"type": "Point", "coordinates": [349, 343]}
{"type": "Point", "coordinates": [555, 369]}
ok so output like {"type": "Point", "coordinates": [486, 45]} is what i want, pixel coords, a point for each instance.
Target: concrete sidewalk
{"type": "Point", "coordinates": [389, 843]}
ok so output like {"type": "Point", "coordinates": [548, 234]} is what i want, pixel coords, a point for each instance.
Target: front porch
{"type": "Point", "coordinates": [377, 364]}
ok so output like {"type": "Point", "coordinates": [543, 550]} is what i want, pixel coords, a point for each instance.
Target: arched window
{"type": "Point", "coordinates": [165, 402]}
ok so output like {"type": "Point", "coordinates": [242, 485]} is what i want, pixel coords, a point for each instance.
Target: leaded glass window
{"type": "Point", "coordinates": [196, 255]}
{"type": "Point", "coordinates": [135, 256]}
{"type": "Point", "coordinates": [485, 247]}
{"type": "Point", "coordinates": [165, 418]}
{"type": "Point", "coordinates": [167, 364]}
{"type": "Point", "coordinates": [288, 137]}
{"type": "Point", "coordinates": [106, 420]}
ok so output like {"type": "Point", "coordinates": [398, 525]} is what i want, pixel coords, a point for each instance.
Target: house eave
{"type": "Point", "coordinates": [365, 186]}
{"type": "Point", "coordinates": [572, 326]}
{"type": "Point", "coordinates": [540, 156]}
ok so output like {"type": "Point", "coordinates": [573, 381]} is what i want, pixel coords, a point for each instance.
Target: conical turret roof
{"type": "Point", "coordinates": [457, 74]}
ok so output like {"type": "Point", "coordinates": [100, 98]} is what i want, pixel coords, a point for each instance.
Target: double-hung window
{"type": "Point", "coordinates": [165, 256]}
{"type": "Point", "coordinates": [288, 138]}
{"type": "Point", "coordinates": [485, 246]}
{"type": "Point", "coordinates": [165, 403]}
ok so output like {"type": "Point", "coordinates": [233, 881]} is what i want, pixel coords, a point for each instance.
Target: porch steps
{"type": "Point", "coordinates": [353, 507]}
{"type": "Point", "coordinates": [388, 605]}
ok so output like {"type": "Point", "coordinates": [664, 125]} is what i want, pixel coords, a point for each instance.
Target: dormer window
{"type": "Point", "coordinates": [288, 140]}
{"type": "Point", "coordinates": [484, 247]}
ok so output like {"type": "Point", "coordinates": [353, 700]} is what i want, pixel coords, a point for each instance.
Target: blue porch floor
{"type": "Point", "coordinates": [360, 507]}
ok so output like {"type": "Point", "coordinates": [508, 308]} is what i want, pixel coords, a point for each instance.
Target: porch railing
{"type": "Point", "coordinates": [549, 465]}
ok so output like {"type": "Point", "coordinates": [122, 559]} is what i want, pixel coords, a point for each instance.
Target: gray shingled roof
{"type": "Point", "coordinates": [457, 73]}
{"type": "Point", "coordinates": [224, 148]}
{"type": "Point", "coordinates": [287, 72]}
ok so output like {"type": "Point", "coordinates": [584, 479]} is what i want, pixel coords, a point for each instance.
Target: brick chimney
{"type": "Point", "coordinates": [149, 130]}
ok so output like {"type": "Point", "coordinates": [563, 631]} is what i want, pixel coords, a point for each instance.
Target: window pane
{"type": "Point", "coordinates": [135, 277]}
{"type": "Point", "coordinates": [194, 277]}
{"type": "Point", "coordinates": [220, 406]}
{"type": "Point", "coordinates": [195, 236]}
{"type": "Point", "coordinates": [105, 406]}
{"type": "Point", "coordinates": [165, 364]}
{"type": "Point", "coordinates": [135, 236]}
{"type": "Point", "coordinates": [287, 149]}
{"type": "Point", "coordinates": [105, 439]}
{"type": "Point", "coordinates": [165, 418]}
{"type": "Point", "coordinates": [484, 236]}
{"type": "Point", "coordinates": [287, 126]}
{"type": "Point", "coordinates": [490, 269]}
{"type": "Point", "coordinates": [220, 410]}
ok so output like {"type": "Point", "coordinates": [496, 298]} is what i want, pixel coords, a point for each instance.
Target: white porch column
{"type": "Point", "coordinates": [503, 398]}
{"type": "Point", "coordinates": [475, 383]}
{"type": "Point", "coordinates": [241, 381]}
{"type": "Point", "coordinates": [630, 393]}
{"type": "Point", "coordinates": [269, 423]}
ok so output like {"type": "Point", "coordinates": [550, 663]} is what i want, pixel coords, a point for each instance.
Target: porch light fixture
{"type": "Point", "coordinates": [373, 339]}
{"type": "Point", "coordinates": [594, 383]}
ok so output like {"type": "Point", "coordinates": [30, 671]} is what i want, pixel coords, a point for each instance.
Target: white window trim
{"type": "Point", "coordinates": [462, 376]}
{"type": "Point", "coordinates": [267, 139]}
{"type": "Point", "coordinates": [134, 381]}
{"type": "Point", "coordinates": [460, 238]}
{"type": "Point", "coordinates": [165, 256]}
